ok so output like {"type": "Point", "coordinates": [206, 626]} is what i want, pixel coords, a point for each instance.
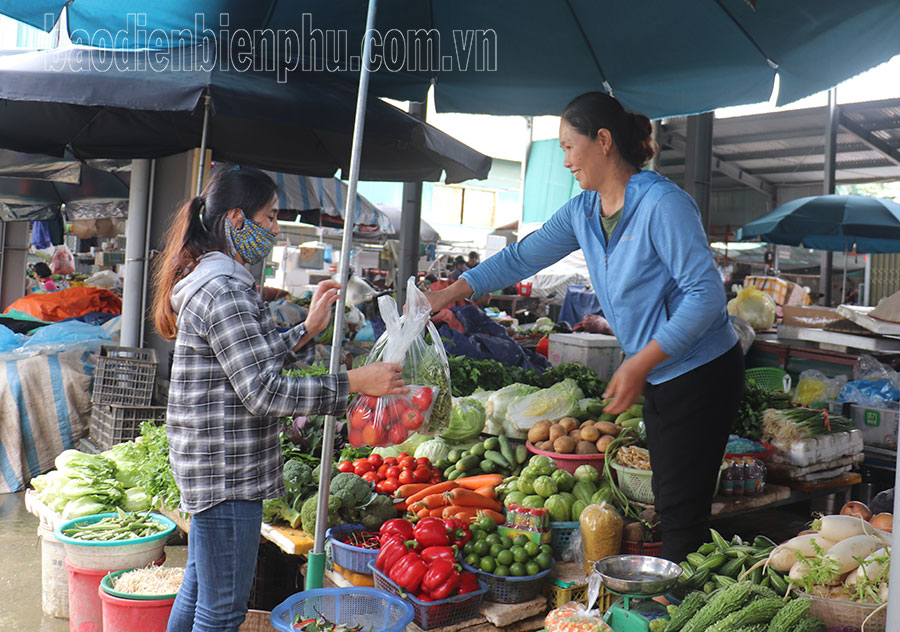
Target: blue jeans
{"type": "Point", "coordinates": [223, 544]}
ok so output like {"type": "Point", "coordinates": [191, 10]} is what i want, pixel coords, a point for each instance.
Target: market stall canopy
{"type": "Point", "coordinates": [831, 222]}
{"type": "Point", "coordinates": [394, 215]}
{"type": "Point", "coordinates": [149, 104]}
{"type": "Point", "coordinates": [14, 164]}
{"type": "Point", "coordinates": [531, 57]}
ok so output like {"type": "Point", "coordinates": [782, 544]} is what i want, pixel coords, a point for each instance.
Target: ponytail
{"type": "Point", "coordinates": [631, 133]}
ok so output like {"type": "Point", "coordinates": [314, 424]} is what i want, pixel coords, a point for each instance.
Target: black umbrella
{"type": "Point", "coordinates": [148, 104]}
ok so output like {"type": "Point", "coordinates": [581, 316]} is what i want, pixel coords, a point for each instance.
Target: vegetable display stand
{"type": "Point", "coordinates": [113, 555]}
{"type": "Point", "coordinates": [560, 535]}
{"type": "Point", "coordinates": [569, 462]}
{"type": "Point", "coordinates": [835, 613]}
{"type": "Point", "coordinates": [434, 614]}
{"type": "Point", "coordinates": [372, 609]}
{"type": "Point", "coordinates": [352, 558]}
{"type": "Point", "coordinates": [128, 615]}
{"type": "Point", "coordinates": [509, 589]}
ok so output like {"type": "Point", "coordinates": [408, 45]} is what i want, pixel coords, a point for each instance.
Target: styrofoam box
{"type": "Point", "coordinates": [878, 425]}
{"type": "Point", "coordinates": [597, 351]}
{"type": "Point", "coordinates": [819, 449]}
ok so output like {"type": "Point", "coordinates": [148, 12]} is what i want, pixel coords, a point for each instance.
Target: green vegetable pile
{"type": "Point", "coordinates": [754, 401]}
{"type": "Point", "coordinates": [468, 376]}
{"type": "Point", "coordinates": [156, 471]}
{"type": "Point", "coordinates": [494, 455]}
{"type": "Point", "coordinates": [122, 526]}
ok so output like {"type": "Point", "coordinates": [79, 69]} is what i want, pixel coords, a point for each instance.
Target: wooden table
{"type": "Point", "coordinates": [510, 302]}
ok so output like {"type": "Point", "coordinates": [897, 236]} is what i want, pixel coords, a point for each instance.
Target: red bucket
{"type": "Point", "coordinates": [523, 288]}
{"type": "Point", "coordinates": [128, 615]}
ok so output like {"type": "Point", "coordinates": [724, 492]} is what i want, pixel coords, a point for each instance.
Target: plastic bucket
{"type": "Point", "coordinates": [114, 555]}
{"type": "Point", "coordinates": [54, 577]}
{"type": "Point", "coordinates": [85, 608]}
{"type": "Point", "coordinates": [129, 615]}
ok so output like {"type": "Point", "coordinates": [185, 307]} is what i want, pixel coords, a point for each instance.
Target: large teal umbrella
{"type": "Point", "coordinates": [831, 222]}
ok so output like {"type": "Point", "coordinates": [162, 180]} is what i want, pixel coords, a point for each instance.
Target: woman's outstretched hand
{"type": "Point", "coordinates": [377, 379]}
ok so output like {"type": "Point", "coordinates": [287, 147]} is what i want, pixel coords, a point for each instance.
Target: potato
{"type": "Point", "coordinates": [539, 432]}
{"type": "Point", "coordinates": [585, 447]}
{"type": "Point", "coordinates": [569, 423]}
{"type": "Point", "coordinates": [585, 424]}
{"type": "Point", "coordinates": [576, 434]}
{"type": "Point", "coordinates": [608, 428]}
{"type": "Point", "coordinates": [603, 443]}
{"type": "Point", "coordinates": [590, 433]}
{"type": "Point", "coordinates": [564, 445]}
{"type": "Point", "coordinates": [546, 446]}
{"type": "Point", "coordinates": [556, 431]}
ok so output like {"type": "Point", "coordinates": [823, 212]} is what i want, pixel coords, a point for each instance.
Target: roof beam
{"type": "Point", "coordinates": [808, 167]}
{"type": "Point", "coordinates": [869, 139]}
{"type": "Point", "coordinates": [723, 166]}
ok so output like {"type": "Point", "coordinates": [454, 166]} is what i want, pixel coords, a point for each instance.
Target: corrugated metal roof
{"type": "Point", "coordinates": [788, 148]}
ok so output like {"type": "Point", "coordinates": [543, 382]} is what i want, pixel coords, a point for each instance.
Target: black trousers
{"type": "Point", "coordinates": [688, 420]}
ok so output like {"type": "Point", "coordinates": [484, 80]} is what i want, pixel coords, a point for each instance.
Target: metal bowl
{"type": "Point", "coordinates": [637, 574]}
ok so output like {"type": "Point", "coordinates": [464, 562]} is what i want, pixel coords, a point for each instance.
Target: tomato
{"type": "Point", "coordinates": [382, 471]}
{"type": "Point", "coordinates": [360, 417]}
{"type": "Point", "coordinates": [381, 488]}
{"type": "Point", "coordinates": [402, 455]}
{"type": "Point", "coordinates": [408, 463]}
{"type": "Point", "coordinates": [345, 466]}
{"type": "Point", "coordinates": [376, 460]}
{"type": "Point", "coordinates": [412, 419]}
{"type": "Point", "coordinates": [423, 461]}
{"type": "Point", "coordinates": [421, 475]}
{"type": "Point", "coordinates": [369, 476]}
{"type": "Point", "coordinates": [373, 434]}
{"type": "Point", "coordinates": [366, 400]}
{"type": "Point", "coordinates": [391, 484]}
{"type": "Point", "coordinates": [363, 467]}
{"type": "Point", "coordinates": [422, 399]}
{"type": "Point", "coordinates": [390, 461]}
{"type": "Point", "coordinates": [406, 477]}
{"type": "Point", "coordinates": [398, 434]}
{"type": "Point", "coordinates": [395, 409]}
{"type": "Point", "coordinates": [392, 472]}
{"type": "Point", "coordinates": [354, 437]}
{"type": "Point", "coordinates": [436, 477]}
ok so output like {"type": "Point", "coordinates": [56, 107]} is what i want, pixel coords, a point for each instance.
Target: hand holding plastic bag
{"type": "Point", "coordinates": [412, 341]}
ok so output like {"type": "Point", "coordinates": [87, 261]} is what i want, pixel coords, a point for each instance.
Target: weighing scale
{"type": "Point", "coordinates": [636, 579]}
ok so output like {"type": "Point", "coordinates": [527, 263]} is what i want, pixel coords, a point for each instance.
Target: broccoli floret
{"type": "Point", "coordinates": [351, 489]}
{"type": "Point", "coordinates": [297, 474]}
{"type": "Point", "coordinates": [377, 512]}
{"type": "Point", "coordinates": [317, 472]}
{"type": "Point", "coordinates": [308, 513]}
{"type": "Point", "coordinates": [277, 510]}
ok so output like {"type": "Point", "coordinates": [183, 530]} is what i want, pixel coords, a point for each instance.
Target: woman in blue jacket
{"type": "Point", "coordinates": [654, 275]}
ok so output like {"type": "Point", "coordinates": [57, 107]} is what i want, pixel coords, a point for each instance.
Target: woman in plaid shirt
{"type": "Point", "coordinates": [227, 392]}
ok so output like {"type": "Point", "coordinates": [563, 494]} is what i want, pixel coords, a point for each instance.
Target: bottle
{"type": "Point", "coordinates": [727, 487]}
{"type": "Point", "coordinates": [739, 477]}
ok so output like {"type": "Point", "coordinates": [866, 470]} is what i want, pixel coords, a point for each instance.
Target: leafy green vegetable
{"type": "Point", "coordinates": [136, 499]}
{"type": "Point", "coordinates": [350, 489]}
{"type": "Point", "coordinates": [586, 378]}
{"type": "Point", "coordinates": [84, 506]}
{"type": "Point", "coordinates": [128, 458]}
{"type": "Point", "coordinates": [156, 472]}
{"type": "Point", "coordinates": [435, 450]}
{"type": "Point", "coordinates": [467, 375]}
{"type": "Point", "coordinates": [377, 512]}
{"type": "Point", "coordinates": [499, 401]}
{"type": "Point", "coordinates": [467, 418]}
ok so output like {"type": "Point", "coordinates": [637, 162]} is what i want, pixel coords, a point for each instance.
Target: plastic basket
{"type": "Point", "coordinates": [769, 378]}
{"type": "Point", "coordinates": [353, 558]}
{"type": "Point", "coordinates": [569, 462]}
{"type": "Point", "coordinates": [508, 589]}
{"type": "Point", "coordinates": [124, 376]}
{"type": "Point", "coordinates": [560, 535]}
{"type": "Point", "coordinates": [110, 580]}
{"type": "Point", "coordinates": [630, 547]}
{"type": "Point", "coordinates": [634, 483]}
{"type": "Point", "coordinates": [112, 424]}
{"type": "Point", "coordinates": [372, 609]}
{"type": "Point", "coordinates": [559, 596]}
{"type": "Point", "coordinates": [114, 555]}
{"type": "Point", "coordinates": [834, 613]}
{"type": "Point", "coordinates": [434, 614]}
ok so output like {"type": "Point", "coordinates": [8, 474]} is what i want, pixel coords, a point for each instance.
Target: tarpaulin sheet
{"type": "Point", "coordinates": [69, 303]}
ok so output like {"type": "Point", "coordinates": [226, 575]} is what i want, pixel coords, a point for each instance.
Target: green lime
{"type": "Point", "coordinates": [488, 564]}
{"type": "Point", "coordinates": [507, 543]}
{"type": "Point", "coordinates": [519, 554]}
{"type": "Point", "coordinates": [496, 549]}
{"type": "Point", "coordinates": [546, 548]}
{"type": "Point", "coordinates": [479, 534]}
{"type": "Point", "coordinates": [501, 570]}
{"type": "Point", "coordinates": [544, 560]}
{"type": "Point", "coordinates": [532, 548]}
{"type": "Point", "coordinates": [487, 523]}
{"type": "Point", "coordinates": [472, 560]}
{"type": "Point", "coordinates": [516, 570]}
{"type": "Point", "coordinates": [482, 547]}
{"type": "Point", "coordinates": [505, 557]}
{"type": "Point", "coordinates": [494, 538]}
{"type": "Point", "coordinates": [532, 568]}
{"type": "Point", "coordinates": [521, 540]}
{"type": "Point", "coordinates": [467, 548]}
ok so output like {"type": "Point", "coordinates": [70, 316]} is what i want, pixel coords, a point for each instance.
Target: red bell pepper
{"type": "Point", "coordinates": [392, 549]}
{"type": "Point", "coordinates": [459, 531]}
{"type": "Point", "coordinates": [408, 572]}
{"type": "Point", "coordinates": [468, 582]}
{"type": "Point", "coordinates": [441, 579]}
{"type": "Point", "coordinates": [431, 532]}
{"type": "Point", "coordinates": [432, 554]}
{"type": "Point", "coordinates": [397, 526]}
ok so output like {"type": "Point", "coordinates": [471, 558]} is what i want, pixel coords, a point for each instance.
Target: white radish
{"type": "Point", "coordinates": [848, 551]}
{"type": "Point", "coordinates": [798, 571]}
{"type": "Point", "coordinates": [870, 567]}
{"type": "Point", "coordinates": [837, 528]}
{"type": "Point", "coordinates": [883, 592]}
{"type": "Point", "coordinates": [784, 555]}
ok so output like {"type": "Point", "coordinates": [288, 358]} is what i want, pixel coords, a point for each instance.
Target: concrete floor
{"type": "Point", "coordinates": [20, 570]}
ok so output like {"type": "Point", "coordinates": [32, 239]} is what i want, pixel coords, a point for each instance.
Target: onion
{"type": "Point", "coordinates": [856, 509]}
{"type": "Point", "coordinates": [883, 521]}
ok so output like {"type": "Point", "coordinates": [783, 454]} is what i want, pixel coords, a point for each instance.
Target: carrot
{"type": "Point", "coordinates": [401, 506]}
{"type": "Point", "coordinates": [437, 513]}
{"type": "Point", "coordinates": [496, 516]}
{"type": "Point", "coordinates": [437, 488]}
{"type": "Point", "coordinates": [433, 501]}
{"type": "Point", "coordinates": [487, 491]}
{"type": "Point", "coordinates": [475, 482]}
{"type": "Point", "coordinates": [455, 511]}
{"type": "Point", "coordinates": [422, 512]}
{"type": "Point", "coordinates": [469, 498]}
{"type": "Point", "coordinates": [405, 491]}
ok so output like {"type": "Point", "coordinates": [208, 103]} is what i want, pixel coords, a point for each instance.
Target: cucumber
{"type": "Point", "coordinates": [468, 462]}
{"type": "Point", "coordinates": [454, 455]}
{"type": "Point", "coordinates": [506, 450]}
{"type": "Point", "coordinates": [477, 450]}
{"type": "Point", "coordinates": [521, 454]}
{"type": "Point", "coordinates": [497, 458]}
{"type": "Point", "coordinates": [732, 566]}
{"type": "Point", "coordinates": [449, 470]}
{"type": "Point", "coordinates": [777, 581]}
{"type": "Point", "coordinates": [455, 474]}
{"type": "Point", "coordinates": [442, 465]}
{"type": "Point", "coordinates": [488, 466]}
{"type": "Point", "coordinates": [491, 443]}
{"type": "Point", "coordinates": [713, 562]}
{"type": "Point", "coordinates": [706, 549]}
{"type": "Point", "coordinates": [696, 559]}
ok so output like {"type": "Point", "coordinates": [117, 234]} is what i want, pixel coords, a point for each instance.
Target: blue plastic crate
{"type": "Point", "coordinates": [353, 558]}
{"type": "Point", "coordinates": [373, 609]}
{"type": "Point", "coordinates": [560, 534]}
{"type": "Point", "coordinates": [510, 589]}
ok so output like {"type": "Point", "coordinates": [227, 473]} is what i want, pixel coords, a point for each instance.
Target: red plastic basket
{"type": "Point", "coordinates": [630, 547]}
{"type": "Point", "coordinates": [570, 462]}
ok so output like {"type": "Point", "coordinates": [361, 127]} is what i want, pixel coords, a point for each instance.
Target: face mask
{"type": "Point", "coordinates": [252, 241]}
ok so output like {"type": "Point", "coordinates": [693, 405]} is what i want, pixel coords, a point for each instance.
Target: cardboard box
{"type": "Point", "coordinates": [809, 316]}
{"type": "Point", "coordinates": [878, 425]}
{"type": "Point", "coordinates": [597, 351]}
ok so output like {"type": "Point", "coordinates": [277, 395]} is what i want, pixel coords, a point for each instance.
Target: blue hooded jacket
{"type": "Point", "coordinates": [655, 280]}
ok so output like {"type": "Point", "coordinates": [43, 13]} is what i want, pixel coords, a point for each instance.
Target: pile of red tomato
{"type": "Point", "coordinates": [389, 420]}
{"type": "Point", "coordinates": [390, 473]}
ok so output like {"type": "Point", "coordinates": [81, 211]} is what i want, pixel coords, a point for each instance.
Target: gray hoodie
{"type": "Point", "coordinates": [211, 265]}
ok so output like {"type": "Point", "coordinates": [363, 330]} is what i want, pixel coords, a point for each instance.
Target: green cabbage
{"type": "Point", "coordinates": [556, 402]}
{"type": "Point", "coordinates": [128, 458]}
{"type": "Point", "coordinates": [409, 446]}
{"type": "Point", "coordinates": [75, 464]}
{"type": "Point", "coordinates": [466, 420]}
{"type": "Point", "coordinates": [84, 506]}
{"type": "Point", "coordinates": [435, 450]}
{"type": "Point", "coordinates": [498, 403]}
{"type": "Point", "coordinates": [136, 499]}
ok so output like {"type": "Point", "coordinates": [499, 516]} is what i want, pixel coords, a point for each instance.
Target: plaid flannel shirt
{"type": "Point", "coordinates": [227, 394]}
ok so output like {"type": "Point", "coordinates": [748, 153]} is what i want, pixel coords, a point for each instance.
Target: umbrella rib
{"type": "Point", "coordinates": [746, 33]}
{"type": "Point", "coordinates": [590, 48]}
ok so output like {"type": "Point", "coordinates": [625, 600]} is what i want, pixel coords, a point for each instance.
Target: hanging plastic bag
{"type": "Point", "coordinates": [815, 386]}
{"type": "Point", "coordinates": [62, 261]}
{"type": "Point", "coordinates": [754, 306]}
{"type": "Point", "coordinates": [413, 341]}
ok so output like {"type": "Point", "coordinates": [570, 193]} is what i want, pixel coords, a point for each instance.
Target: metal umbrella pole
{"type": "Point", "coordinates": [315, 571]}
{"type": "Point", "coordinates": [202, 158]}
